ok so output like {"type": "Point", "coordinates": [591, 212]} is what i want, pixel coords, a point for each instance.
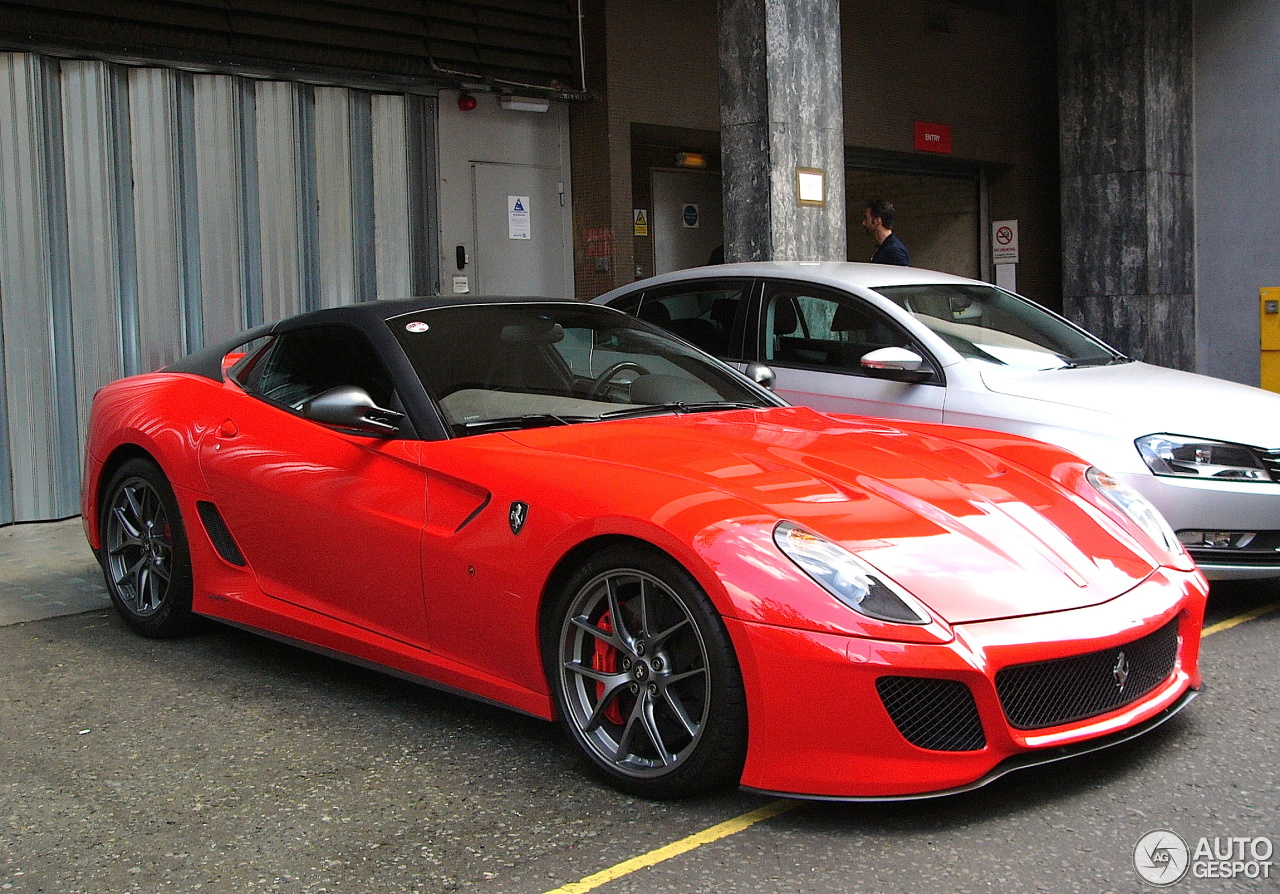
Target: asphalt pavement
{"type": "Point", "coordinates": [226, 762]}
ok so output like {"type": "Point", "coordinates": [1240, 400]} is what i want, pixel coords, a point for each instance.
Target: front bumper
{"type": "Point", "coordinates": [819, 729]}
{"type": "Point", "coordinates": [1191, 504]}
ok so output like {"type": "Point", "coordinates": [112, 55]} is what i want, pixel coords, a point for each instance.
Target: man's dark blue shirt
{"type": "Point", "coordinates": [891, 251]}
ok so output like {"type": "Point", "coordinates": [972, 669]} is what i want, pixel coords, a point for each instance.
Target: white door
{"type": "Point", "coordinates": [519, 233]}
{"type": "Point", "coordinates": [814, 340]}
{"type": "Point", "coordinates": [688, 223]}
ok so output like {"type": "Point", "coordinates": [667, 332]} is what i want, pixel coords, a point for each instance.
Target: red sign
{"type": "Point", "coordinates": [933, 138]}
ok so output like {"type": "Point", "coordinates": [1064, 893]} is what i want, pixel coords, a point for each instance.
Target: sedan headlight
{"type": "Point", "coordinates": [1137, 508]}
{"type": "Point", "coordinates": [1185, 457]}
{"type": "Point", "coordinates": [847, 578]}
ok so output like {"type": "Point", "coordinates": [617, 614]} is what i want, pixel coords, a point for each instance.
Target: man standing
{"type": "Point", "coordinates": [877, 220]}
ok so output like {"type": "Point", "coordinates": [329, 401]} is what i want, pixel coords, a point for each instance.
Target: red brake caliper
{"type": "Point", "coordinates": [605, 660]}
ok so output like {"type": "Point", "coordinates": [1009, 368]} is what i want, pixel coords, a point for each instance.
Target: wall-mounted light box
{"type": "Point", "coordinates": [524, 103]}
{"type": "Point", "coordinates": [811, 186]}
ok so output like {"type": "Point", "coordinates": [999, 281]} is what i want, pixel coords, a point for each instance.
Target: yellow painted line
{"type": "Point", "coordinates": [1239, 619]}
{"type": "Point", "coordinates": [779, 807]}
{"type": "Point", "coordinates": [675, 849]}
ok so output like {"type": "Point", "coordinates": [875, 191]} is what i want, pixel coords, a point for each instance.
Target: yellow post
{"type": "Point", "coordinates": [1269, 329]}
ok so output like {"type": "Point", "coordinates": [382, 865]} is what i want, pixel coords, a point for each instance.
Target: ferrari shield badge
{"type": "Point", "coordinates": [517, 516]}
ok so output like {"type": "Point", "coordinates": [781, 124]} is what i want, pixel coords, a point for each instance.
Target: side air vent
{"type": "Point", "coordinates": [219, 536]}
{"type": "Point", "coordinates": [936, 714]}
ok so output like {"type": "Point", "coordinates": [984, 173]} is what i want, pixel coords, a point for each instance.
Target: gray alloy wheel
{"type": "Point", "coordinates": [645, 677]}
{"type": "Point", "coordinates": [144, 555]}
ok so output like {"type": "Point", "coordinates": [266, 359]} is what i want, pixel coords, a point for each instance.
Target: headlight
{"type": "Point", "coordinates": [847, 578]}
{"type": "Point", "coordinates": [1198, 458]}
{"type": "Point", "coordinates": [1137, 508]}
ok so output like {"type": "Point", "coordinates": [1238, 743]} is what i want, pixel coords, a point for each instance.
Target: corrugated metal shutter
{"type": "Point", "coordinates": [527, 42]}
{"type": "Point", "coordinates": [145, 212]}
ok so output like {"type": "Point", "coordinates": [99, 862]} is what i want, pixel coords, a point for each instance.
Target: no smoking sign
{"type": "Point", "coordinates": [1004, 241]}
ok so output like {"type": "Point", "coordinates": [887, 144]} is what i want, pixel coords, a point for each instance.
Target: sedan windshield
{"type": "Point", "coordinates": [494, 367]}
{"type": "Point", "coordinates": [991, 326]}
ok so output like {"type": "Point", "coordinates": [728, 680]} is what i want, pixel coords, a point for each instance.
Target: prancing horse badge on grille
{"type": "Point", "coordinates": [517, 516]}
{"type": "Point", "coordinates": [1120, 671]}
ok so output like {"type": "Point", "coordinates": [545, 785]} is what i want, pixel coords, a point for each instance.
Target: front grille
{"type": "Point", "coordinates": [1049, 693]}
{"type": "Point", "coordinates": [936, 714]}
{"type": "Point", "coordinates": [1270, 460]}
{"type": "Point", "coordinates": [1245, 558]}
{"type": "Point", "coordinates": [1262, 549]}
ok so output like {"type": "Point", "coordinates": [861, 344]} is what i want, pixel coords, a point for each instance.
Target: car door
{"type": "Point", "coordinates": [814, 339]}
{"type": "Point", "coordinates": [330, 521]}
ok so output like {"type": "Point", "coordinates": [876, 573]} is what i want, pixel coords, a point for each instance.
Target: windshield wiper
{"type": "Point", "coordinates": [528, 420]}
{"type": "Point", "coordinates": [679, 407]}
{"type": "Point", "coordinates": [1077, 362]}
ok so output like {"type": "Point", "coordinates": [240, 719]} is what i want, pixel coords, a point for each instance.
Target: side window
{"type": "Point", "coordinates": [301, 365]}
{"type": "Point", "coordinates": [704, 316]}
{"type": "Point", "coordinates": [814, 329]}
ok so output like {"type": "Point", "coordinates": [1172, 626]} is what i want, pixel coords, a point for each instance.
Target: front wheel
{"type": "Point", "coordinates": [644, 676]}
{"type": "Point", "coordinates": [144, 551]}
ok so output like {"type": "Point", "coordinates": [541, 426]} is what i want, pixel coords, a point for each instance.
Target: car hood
{"type": "Point", "coordinates": [974, 537]}
{"type": "Point", "coordinates": [1145, 399]}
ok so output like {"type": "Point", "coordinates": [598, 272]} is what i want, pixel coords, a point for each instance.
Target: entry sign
{"type": "Point", "coordinates": [1004, 241]}
{"type": "Point", "coordinates": [933, 137]}
{"type": "Point", "coordinates": [640, 221]}
{"type": "Point", "coordinates": [689, 214]}
{"type": "Point", "coordinates": [518, 217]}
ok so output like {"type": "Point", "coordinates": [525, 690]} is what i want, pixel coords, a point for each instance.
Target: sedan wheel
{"type": "Point", "coordinates": [145, 558]}
{"type": "Point", "coordinates": [645, 677]}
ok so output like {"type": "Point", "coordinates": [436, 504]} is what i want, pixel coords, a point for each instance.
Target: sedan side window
{"type": "Point", "coordinates": [811, 329]}
{"type": "Point", "coordinates": [301, 365]}
{"type": "Point", "coordinates": [703, 316]}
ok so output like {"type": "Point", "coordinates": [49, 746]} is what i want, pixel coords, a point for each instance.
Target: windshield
{"type": "Point", "coordinates": [493, 367]}
{"type": "Point", "coordinates": [990, 326]}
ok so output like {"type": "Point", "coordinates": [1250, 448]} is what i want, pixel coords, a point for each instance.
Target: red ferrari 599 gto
{"type": "Point", "coordinates": [564, 510]}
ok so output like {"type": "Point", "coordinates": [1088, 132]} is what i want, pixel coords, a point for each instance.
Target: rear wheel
{"type": "Point", "coordinates": [644, 676]}
{"type": "Point", "coordinates": [144, 556]}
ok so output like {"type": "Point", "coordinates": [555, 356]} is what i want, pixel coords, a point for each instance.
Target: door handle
{"type": "Point", "coordinates": [228, 429]}
{"type": "Point", "coordinates": [460, 256]}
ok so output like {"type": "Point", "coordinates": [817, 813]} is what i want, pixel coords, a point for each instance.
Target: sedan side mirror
{"type": "Point", "coordinates": [351, 408]}
{"type": "Point", "coordinates": [896, 364]}
{"type": "Point", "coordinates": [761, 375]}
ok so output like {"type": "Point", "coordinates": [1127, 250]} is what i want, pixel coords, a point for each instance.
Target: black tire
{"type": "Point", "coordinates": [144, 553]}
{"type": "Point", "coordinates": [656, 704]}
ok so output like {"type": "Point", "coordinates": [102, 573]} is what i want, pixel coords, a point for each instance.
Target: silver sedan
{"type": "Point", "coordinates": [908, 343]}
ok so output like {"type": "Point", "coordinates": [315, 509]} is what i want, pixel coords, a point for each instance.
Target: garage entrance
{"type": "Point", "coordinates": [939, 217]}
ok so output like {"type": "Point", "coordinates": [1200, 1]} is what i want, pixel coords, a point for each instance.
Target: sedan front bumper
{"type": "Point", "coordinates": [1233, 507]}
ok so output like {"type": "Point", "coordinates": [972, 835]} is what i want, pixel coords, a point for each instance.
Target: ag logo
{"type": "Point", "coordinates": [1161, 858]}
{"type": "Point", "coordinates": [517, 516]}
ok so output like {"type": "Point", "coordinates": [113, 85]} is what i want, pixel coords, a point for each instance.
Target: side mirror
{"type": "Point", "coordinates": [353, 409]}
{"type": "Point", "coordinates": [761, 375]}
{"type": "Point", "coordinates": [896, 364]}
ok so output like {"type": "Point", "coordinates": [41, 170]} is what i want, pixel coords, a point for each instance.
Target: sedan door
{"type": "Point", "coordinates": [329, 520]}
{"type": "Point", "coordinates": [815, 339]}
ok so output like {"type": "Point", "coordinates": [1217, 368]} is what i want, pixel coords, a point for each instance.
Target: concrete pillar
{"type": "Point", "coordinates": [1125, 105]}
{"type": "Point", "coordinates": [781, 110]}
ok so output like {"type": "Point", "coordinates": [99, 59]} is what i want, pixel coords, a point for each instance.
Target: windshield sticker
{"type": "Point", "coordinates": [416, 326]}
